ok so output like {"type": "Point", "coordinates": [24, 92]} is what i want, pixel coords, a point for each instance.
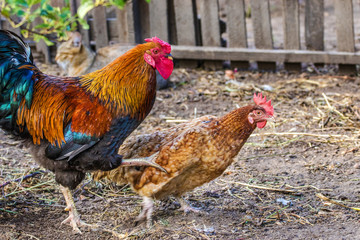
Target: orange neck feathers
{"type": "Point", "coordinates": [125, 86]}
{"type": "Point", "coordinates": [236, 123]}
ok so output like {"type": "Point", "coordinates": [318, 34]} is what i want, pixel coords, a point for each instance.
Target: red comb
{"type": "Point", "coordinates": [166, 47]}
{"type": "Point", "coordinates": [259, 100]}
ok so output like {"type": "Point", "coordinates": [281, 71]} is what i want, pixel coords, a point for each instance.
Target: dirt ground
{"type": "Point", "coordinates": [296, 179]}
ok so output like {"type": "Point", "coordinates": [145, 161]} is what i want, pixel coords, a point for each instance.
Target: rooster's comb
{"type": "Point", "coordinates": [166, 47]}
{"type": "Point", "coordinates": [261, 101]}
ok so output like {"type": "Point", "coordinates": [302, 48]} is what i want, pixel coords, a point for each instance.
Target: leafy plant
{"type": "Point", "coordinates": [43, 21]}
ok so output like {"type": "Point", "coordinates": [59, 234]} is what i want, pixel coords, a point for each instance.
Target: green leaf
{"type": "Point", "coordinates": [33, 2]}
{"type": "Point", "coordinates": [42, 25]}
{"type": "Point", "coordinates": [148, 1]}
{"type": "Point", "coordinates": [83, 23]}
{"type": "Point", "coordinates": [48, 42]}
{"type": "Point", "coordinates": [118, 3]}
{"type": "Point", "coordinates": [49, 7]}
{"type": "Point", "coordinates": [5, 12]}
{"type": "Point", "coordinates": [20, 13]}
{"type": "Point", "coordinates": [85, 7]}
{"type": "Point", "coordinates": [25, 33]}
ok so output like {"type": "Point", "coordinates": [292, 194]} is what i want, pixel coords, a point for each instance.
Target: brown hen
{"type": "Point", "coordinates": [193, 153]}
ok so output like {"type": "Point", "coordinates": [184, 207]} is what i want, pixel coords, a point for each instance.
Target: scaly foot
{"type": "Point", "coordinates": [186, 207]}
{"type": "Point", "coordinates": [146, 213]}
{"type": "Point", "coordinates": [74, 218]}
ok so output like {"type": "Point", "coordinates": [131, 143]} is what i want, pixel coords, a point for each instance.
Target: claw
{"type": "Point", "coordinates": [74, 217]}
{"type": "Point", "coordinates": [186, 207]}
{"type": "Point", "coordinates": [144, 161]}
{"type": "Point", "coordinates": [146, 213]}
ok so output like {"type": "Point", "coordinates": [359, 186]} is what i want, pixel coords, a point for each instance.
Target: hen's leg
{"type": "Point", "coordinates": [74, 217]}
{"type": "Point", "coordinates": [186, 207]}
{"type": "Point", "coordinates": [144, 161]}
{"type": "Point", "coordinates": [146, 213]}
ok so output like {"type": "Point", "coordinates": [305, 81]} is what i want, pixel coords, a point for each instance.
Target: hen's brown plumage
{"type": "Point", "coordinates": [193, 153]}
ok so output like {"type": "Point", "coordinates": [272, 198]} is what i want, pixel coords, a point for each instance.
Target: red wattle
{"type": "Point", "coordinates": [165, 67]}
{"type": "Point", "coordinates": [261, 124]}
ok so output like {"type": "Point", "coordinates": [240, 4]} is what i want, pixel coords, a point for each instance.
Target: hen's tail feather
{"type": "Point", "coordinates": [17, 76]}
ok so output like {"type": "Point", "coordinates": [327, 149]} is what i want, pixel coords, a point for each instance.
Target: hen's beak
{"type": "Point", "coordinates": [271, 118]}
{"type": "Point", "coordinates": [169, 56]}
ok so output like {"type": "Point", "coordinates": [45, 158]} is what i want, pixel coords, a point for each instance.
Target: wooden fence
{"type": "Point", "coordinates": [196, 29]}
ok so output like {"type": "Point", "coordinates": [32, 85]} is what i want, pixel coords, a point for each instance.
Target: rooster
{"type": "Point", "coordinates": [76, 124]}
{"type": "Point", "coordinates": [193, 153]}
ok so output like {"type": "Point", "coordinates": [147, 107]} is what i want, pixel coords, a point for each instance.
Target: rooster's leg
{"type": "Point", "coordinates": [74, 217]}
{"type": "Point", "coordinates": [144, 161]}
{"type": "Point", "coordinates": [146, 213]}
{"type": "Point", "coordinates": [186, 207]}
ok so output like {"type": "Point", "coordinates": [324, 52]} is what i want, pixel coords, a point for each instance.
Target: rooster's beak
{"type": "Point", "coordinates": [169, 56]}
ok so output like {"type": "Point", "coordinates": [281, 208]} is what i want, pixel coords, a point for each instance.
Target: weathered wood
{"type": "Point", "coordinates": [291, 26]}
{"type": "Point", "coordinates": [260, 15]}
{"type": "Point", "coordinates": [158, 19]}
{"type": "Point", "coordinates": [141, 20]}
{"type": "Point", "coordinates": [85, 34]}
{"type": "Point", "coordinates": [73, 6]}
{"type": "Point", "coordinates": [172, 22]}
{"type": "Point", "coordinates": [58, 3]}
{"type": "Point", "coordinates": [100, 27]}
{"type": "Point", "coordinates": [265, 55]}
{"type": "Point", "coordinates": [185, 28]}
{"type": "Point", "coordinates": [41, 46]}
{"type": "Point", "coordinates": [236, 26]}
{"type": "Point", "coordinates": [125, 24]}
{"type": "Point", "coordinates": [236, 29]}
{"type": "Point", "coordinates": [210, 28]}
{"type": "Point", "coordinates": [345, 31]}
{"type": "Point", "coordinates": [184, 22]}
{"type": "Point", "coordinates": [314, 24]}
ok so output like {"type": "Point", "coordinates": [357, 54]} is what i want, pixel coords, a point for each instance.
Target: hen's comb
{"type": "Point", "coordinates": [164, 45]}
{"type": "Point", "coordinates": [261, 101]}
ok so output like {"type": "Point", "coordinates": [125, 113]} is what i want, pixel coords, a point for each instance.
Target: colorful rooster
{"type": "Point", "coordinates": [77, 124]}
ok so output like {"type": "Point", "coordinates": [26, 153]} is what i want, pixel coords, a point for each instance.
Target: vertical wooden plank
{"type": "Point", "coordinates": [125, 24]}
{"type": "Point", "coordinates": [41, 46]}
{"type": "Point", "coordinates": [171, 22]}
{"type": "Point", "coordinates": [210, 28]}
{"type": "Point", "coordinates": [184, 22]}
{"type": "Point", "coordinates": [73, 7]}
{"type": "Point", "coordinates": [185, 28]}
{"type": "Point", "coordinates": [236, 29]}
{"type": "Point", "coordinates": [291, 24]}
{"type": "Point", "coordinates": [158, 19]}
{"type": "Point", "coordinates": [144, 19]}
{"type": "Point", "coordinates": [130, 22]}
{"type": "Point", "coordinates": [84, 32]}
{"type": "Point", "coordinates": [236, 24]}
{"type": "Point", "coordinates": [260, 15]}
{"type": "Point", "coordinates": [141, 20]}
{"type": "Point", "coordinates": [314, 24]}
{"type": "Point", "coordinates": [345, 31]}
{"type": "Point", "coordinates": [100, 27]}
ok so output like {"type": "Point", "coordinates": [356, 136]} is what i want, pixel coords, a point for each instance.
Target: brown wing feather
{"type": "Point", "coordinates": [168, 143]}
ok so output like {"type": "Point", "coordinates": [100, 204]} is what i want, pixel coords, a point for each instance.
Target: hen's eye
{"type": "Point", "coordinates": [258, 112]}
{"type": "Point", "coordinates": [155, 51]}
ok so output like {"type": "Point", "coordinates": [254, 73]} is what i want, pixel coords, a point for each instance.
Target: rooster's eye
{"type": "Point", "coordinates": [155, 51]}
